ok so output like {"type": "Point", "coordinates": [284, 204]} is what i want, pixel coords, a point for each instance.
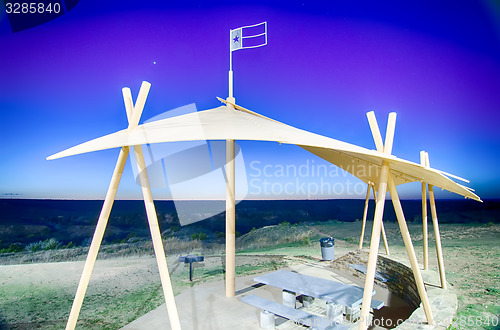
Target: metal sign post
{"type": "Point", "coordinates": [189, 259]}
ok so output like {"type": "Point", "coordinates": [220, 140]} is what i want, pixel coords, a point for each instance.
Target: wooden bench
{"type": "Point", "coordinates": [296, 315]}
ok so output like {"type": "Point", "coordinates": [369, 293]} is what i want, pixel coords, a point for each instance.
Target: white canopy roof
{"type": "Point", "coordinates": [224, 122]}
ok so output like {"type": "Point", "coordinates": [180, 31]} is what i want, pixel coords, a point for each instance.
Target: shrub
{"type": "Point", "coordinates": [14, 247]}
{"type": "Point", "coordinates": [50, 244]}
{"type": "Point", "coordinates": [199, 236]}
{"type": "Point", "coordinates": [130, 235]}
{"type": "Point", "coordinates": [33, 247]}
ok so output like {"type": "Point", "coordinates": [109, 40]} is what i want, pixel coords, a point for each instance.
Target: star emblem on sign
{"type": "Point", "coordinates": [236, 39]}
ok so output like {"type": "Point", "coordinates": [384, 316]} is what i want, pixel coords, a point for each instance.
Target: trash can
{"type": "Point", "coordinates": [327, 248]}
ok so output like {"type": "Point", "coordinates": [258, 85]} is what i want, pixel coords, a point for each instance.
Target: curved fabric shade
{"type": "Point", "coordinates": [223, 123]}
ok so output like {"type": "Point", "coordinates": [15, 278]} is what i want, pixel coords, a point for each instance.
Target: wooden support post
{"type": "Point", "coordinates": [365, 213]}
{"type": "Point", "coordinates": [157, 241]}
{"type": "Point", "coordinates": [384, 237]}
{"type": "Point", "coordinates": [377, 137]}
{"type": "Point", "coordinates": [437, 234]}
{"type": "Point", "coordinates": [410, 250]}
{"type": "Point", "coordinates": [230, 220]}
{"type": "Point", "coordinates": [97, 238]}
{"type": "Point", "coordinates": [134, 115]}
{"type": "Point", "coordinates": [389, 133]}
{"type": "Point", "coordinates": [424, 215]}
{"type": "Point", "coordinates": [374, 245]}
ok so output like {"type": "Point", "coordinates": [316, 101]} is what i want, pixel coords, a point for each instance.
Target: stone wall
{"type": "Point", "coordinates": [401, 281]}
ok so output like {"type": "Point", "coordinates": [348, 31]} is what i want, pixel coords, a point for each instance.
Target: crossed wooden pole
{"type": "Point", "coordinates": [134, 113]}
{"type": "Point", "coordinates": [386, 183]}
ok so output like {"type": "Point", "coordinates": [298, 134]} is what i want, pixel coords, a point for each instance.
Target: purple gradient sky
{"type": "Point", "coordinates": [326, 65]}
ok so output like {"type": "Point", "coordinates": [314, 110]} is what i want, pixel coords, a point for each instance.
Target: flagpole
{"type": "Point", "coordinates": [230, 167]}
{"type": "Point", "coordinates": [230, 96]}
{"type": "Point", "coordinates": [230, 194]}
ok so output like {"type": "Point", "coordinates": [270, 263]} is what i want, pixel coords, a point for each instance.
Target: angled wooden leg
{"type": "Point", "coordinates": [377, 137]}
{"type": "Point", "coordinates": [365, 213]}
{"type": "Point", "coordinates": [424, 226]}
{"type": "Point", "coordinates": [134, 115]}
{"type": "Point", "coordinates": [230, 220]}
{"type": "Point", "coordinates": [374, 245]}
{"type": "Point", "coordinates": [157, 242]}
{"type": "Point", "coordinates": [384, 237]}
{"type": "Point", "coordinates": [97, 238]}
{"type": "Point", "coordinates": [424, 216]}
{"type": "Point", "coordinates": [437, 235]}
{"type": "Point", "coordinates": [411, 251]}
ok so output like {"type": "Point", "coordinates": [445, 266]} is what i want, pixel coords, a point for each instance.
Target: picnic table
{"type": "Point", "coordinates": [339, 293]}
{"type": "Point", "coordinates": [340, 299]}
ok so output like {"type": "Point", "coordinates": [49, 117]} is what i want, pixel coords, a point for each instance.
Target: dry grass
{"type": "Point", "coordinates": [272, 236]}
{"type": "Point", "coordinates": [173, 246]}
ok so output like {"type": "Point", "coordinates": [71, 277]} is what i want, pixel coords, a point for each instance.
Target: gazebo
{"type": "Point", "coordinates": [379, 169]}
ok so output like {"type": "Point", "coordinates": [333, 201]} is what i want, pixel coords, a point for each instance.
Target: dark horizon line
{"type": "Point", "coordinates": [221, 200]}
